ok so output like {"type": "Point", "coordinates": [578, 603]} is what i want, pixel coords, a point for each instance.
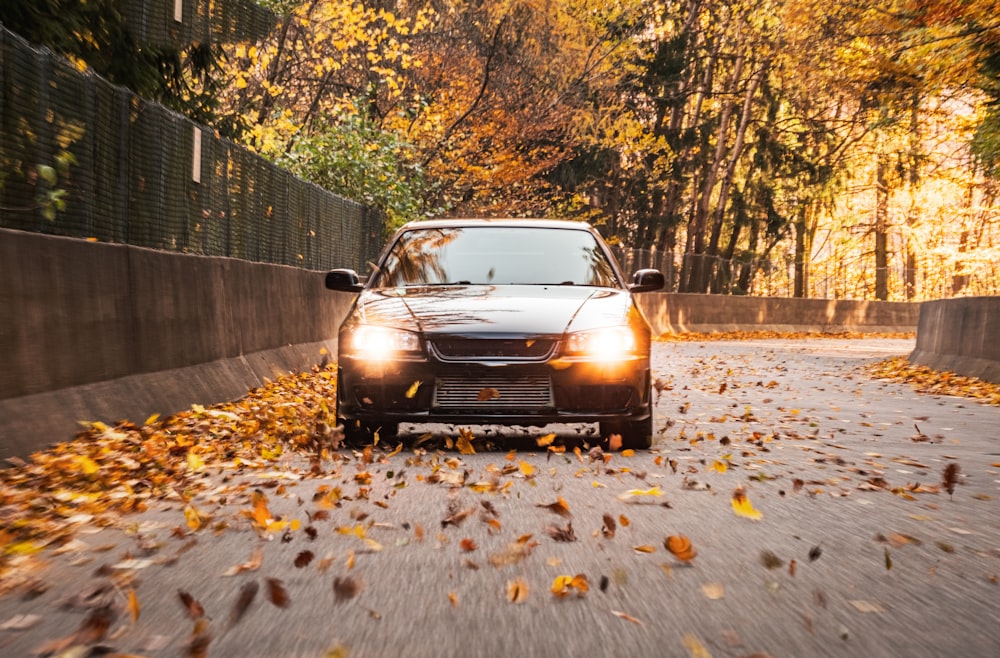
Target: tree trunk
{"type": "Point", "coordinates": [881, 231]}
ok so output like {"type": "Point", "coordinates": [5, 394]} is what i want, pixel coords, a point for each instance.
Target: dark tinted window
{"type": "Point", "coordinates": [496, 255]}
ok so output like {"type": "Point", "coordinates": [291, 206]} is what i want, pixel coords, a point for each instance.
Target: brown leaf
{"type": "Point", "coordinates": [950, 477]}
{"type": "Point", "coordinates": [565, 534]}
{"type": "Point", "coordinates": [346, 588]}
{"type": "Point", "coordinates": [609, 527]}
{"type": "Point", "coordinates": [303, 559]}
{"type": "Point", "coordinates": [559, 507]}
{"type": "Point", "coordinates": [191, 606]}
{"type": "Point", "coordinates": [246, 597]}
{"type": "Point", "coordinates": [770, 560]}
{"type": "Point", "coordinates": [276, 593]}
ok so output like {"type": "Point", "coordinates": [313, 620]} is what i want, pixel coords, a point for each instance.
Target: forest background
{"type": "Point", "coordinates": [809, 148]}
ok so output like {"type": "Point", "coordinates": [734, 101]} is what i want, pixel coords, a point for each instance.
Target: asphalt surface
{"type": "Point", "coordinates": [859, 549]}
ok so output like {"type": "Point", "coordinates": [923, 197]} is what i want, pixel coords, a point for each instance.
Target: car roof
{"type": "Point", "coordinates": [487, 221]}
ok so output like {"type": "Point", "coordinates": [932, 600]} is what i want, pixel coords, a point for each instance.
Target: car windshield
{"type": "Point", "coordinates": [496, 255]}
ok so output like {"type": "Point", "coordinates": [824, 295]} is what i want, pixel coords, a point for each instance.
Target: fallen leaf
{"type": "Point", "coordinates": [303, 559]}
{"type": "Point", "coordinates": [681, 548]}
{"type": "Point", "coordinates": [714, 591]}
{"type": "Point", "coordinates": [345, 588]}
{"type": "Point", "coordinates": [517, 591]}
{"type": "Point", "coordinates": [565, 534]}
{"type": "Point", "coordinates": [609, 527]}
{"type": "Point", "coordinates": [695, 648]}
{"type": "Point", "coordinates": [562, 586]}
{"type": "Point", "coordinates": [560, 507]}
{"type": "Point", "coordinates": [191, 606]}
{"type": "Point", "coordinates": [247, 594]}
{"type": "Point", "coordinates": [133, 605]}
{"type": "Point", "coordinates": [742, 506]}
{"type": "Point", "coordinates": [626, 617]}
{"type": "Point", "coordinates": [770, 560]}
{"type": "Point", "coordinates": [950, 478]}
{"type": "Point", "coordinates": [468, 545]}
{"type": "Point", "coordinates": [277, 594]}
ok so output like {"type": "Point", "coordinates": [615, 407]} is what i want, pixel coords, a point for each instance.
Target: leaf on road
{"type": "Point", "coordinates": [742, 506]}
{"type": "Point", "coordinates": [247, 594]}
{"type": "Point", "coordinates": [654, 492]}
{"type": "Point", "coordinates": [681, 548]}
{"type": "Point", "coordinates": [563, 534]}
{"type": "Point", "coordinates": [468, 545]}
{"type": "Point", "coordinates": [610, 527]}
{"type": "Point", "coordinates": [563, 586]}
{"type": "Point", "coordinates": [694, 646]}
{"type": "Point", "coordinates": [277, 594]}
{"type": "Point", "coordinates": [253, 564]}
{"type": "Point", "coordinates": [345, 588]}
{"type": "Point", "coordinates": [517, 590]}
{"type": "Point", "coordinates": [133, 605]}
{"type": "Point", "coordinates": [560, 507]}
{"type": "Point", "coordinates": [950, 478]}
{"type": "Point", "coordinates": [191, 606]}
{"type": "Point", "coordinates": [626, 617]}
{"type": "Point", "coordinates": [303, 559]}
{"type": "Point", "coordinates": [770, 560]}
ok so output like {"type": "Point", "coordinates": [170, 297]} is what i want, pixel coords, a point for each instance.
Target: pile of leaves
{"type": "Point", "coordinates": [927, 380]}
{"type": "Point", "coordinates": [108, 471]}
{"type": "Point", "coordinates": [693, 336]}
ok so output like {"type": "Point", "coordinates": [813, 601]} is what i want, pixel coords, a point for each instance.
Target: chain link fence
{"type": "Point", "coordinates": [82, 158]}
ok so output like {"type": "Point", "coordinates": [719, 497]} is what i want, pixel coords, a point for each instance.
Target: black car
{"type": "Point", "coordinates": [507, 322]}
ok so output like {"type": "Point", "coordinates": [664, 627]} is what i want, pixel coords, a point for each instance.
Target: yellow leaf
{"type": "Point", "coordinates": [628, 452]}
{"type": "Point", "coordinates": [695, 648]}
{"type": "Point", "coordinates": [527, 469]}
{"type": "Point", "coordinates": [717, 466]}
{"type": "Point", "coordinates": [743, 507]}
{"type": "Point", "coordinates": [192, 517]}
{"type": "Point", "coordinates": [87, 465]}
{"type": "Point", "coordinates": [412, 391]}
{"type": "Point", "coordinates": [194, 462]}
{"type": "Point", "coordinates": [563, 585]}
{"type": "Point", "coordinates": [644, 548]}
{"type": "Point", "coordinates": [152, 419]}
{"type": "Point", "coordinates": [633, 493]}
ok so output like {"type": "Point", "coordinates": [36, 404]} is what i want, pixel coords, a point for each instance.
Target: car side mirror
{"type": "Point", "coordinates": [647, 281]}
{"type": "Point", "coordinates": [343, 281]}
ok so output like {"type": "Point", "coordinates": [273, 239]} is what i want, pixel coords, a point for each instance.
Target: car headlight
{"type": "Point", "coordinates": [382, 343]}
{"type": "Point", "coordinates": [602, 344]}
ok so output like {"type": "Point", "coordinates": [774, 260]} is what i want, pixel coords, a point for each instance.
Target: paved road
{"type": "Point", "coordinates": [859, 549]}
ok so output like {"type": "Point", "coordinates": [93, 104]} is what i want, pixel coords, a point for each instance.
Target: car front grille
{"type": "Point", "coordinates": [493, 393]}
{"type": "Point", "coordinates": [476, 349]}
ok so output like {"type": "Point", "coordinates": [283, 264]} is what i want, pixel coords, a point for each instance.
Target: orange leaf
{"type": "Point", "coordinates": [681, 547]}
{"type": "Point", "coordinates": [468, 545]}
{"type": "Point", "coordinates": [517, 591]}
{"type": "Point", "coordinates": [560, 507]}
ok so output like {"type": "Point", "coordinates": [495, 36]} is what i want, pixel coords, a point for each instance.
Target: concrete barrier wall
{"type": "Point", "coordinates": [93, 331]}
{"type": "Point", "coordinates": [680, 313]}
{"type": "Point", "coordinates": [960, 335]}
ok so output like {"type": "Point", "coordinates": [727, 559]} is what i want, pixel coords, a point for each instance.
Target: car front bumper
{"type": "Point", "coordinates": [503, 393]}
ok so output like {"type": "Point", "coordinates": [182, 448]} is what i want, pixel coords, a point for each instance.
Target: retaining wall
{"type": "Point", "coordinates": [96, 331]}
{"type": "Point", "coordinates": [680, 313]}
{"type": "Point", "coordinates": [960, 335]}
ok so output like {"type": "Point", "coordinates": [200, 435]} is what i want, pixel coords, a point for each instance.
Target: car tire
{"type": "Point", "coordinates": [636, 435]}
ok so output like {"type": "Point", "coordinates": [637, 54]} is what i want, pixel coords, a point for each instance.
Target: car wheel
{"type": "Point", "coordinates": [636, 435]}
{"type": "Point", "coordinates": [357, 433]}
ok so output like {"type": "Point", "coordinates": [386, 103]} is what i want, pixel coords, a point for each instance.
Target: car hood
{"type": "Point", "coordinates": [514, 310]}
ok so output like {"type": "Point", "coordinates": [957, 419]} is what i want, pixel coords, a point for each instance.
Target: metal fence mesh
{"type": "Point", "coordinates": [146, 176]}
